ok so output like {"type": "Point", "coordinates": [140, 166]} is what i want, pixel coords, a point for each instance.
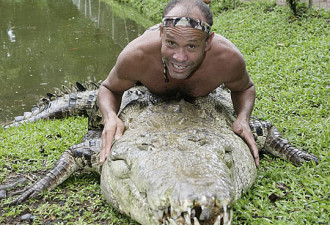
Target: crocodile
{"type": "Point", "coordinates": [178, 162]}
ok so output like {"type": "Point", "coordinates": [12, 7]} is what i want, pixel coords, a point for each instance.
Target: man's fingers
{"type": "Point", "coordinates": [104, 153]}
{"type": "Point", "coordinates": [255, 154]}
{"type": "Point", "coordinates": [238, 129]}
{"type": "Point", "coordinates": [106, 146]}
{"type": "Point", "coordinates": [245, 133]}
{"type": "Point", "coordinates": [253, 148]}
{"type": "Point", "coordinates": [113, 130]}
{"type": "Point", "coordinates": [120, 129]}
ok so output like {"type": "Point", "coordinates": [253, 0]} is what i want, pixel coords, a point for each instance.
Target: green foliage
{"type": "Point", "coordinates": [37, 145]}
{"type": "Point", "coordinates": [224, 5]}
{"type": "Point", "coordinates": [31, 150]}
{"type": "Point", "coordinates": [298, 7]}
{"type": "Point", "coordinates": [151, 8]}
{"type": "Point", "coordinates": [288, 62]}
{"type": "Point", "coordinates": [129, 12]}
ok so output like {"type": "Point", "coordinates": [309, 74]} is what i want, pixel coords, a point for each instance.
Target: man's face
{"type": "Point", "coordinates": [183, 50]}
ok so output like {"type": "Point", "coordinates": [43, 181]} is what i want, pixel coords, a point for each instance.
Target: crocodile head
{"type": "Point", "coordinates": [173, 165]}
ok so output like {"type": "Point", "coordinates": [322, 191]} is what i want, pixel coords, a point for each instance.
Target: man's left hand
{"type": "Point", "coordinates": [242, 128]}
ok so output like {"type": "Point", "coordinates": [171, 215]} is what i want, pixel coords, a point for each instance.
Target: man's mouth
{"type": "Point", "coordinates": [179, 67]}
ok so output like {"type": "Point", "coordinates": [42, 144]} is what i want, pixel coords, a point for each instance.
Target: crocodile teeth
{"type": "Point", "coordinates": [175, 214]}
{"type": "Point", "coordinates": [166, 210]}
{"type": "Point", "coordinates": [205, 214]}
{"type": "Point", "coordinates": [187, 218]}
{"type": "Point", "coordinates": [217, 222]}
{"type": "Point", "coordinates": [225, 214]}
{"type": "Point", "coordinates": [227, 217]}
{"type": "Point", "coordinates": [189, 212]}
{"type": "Point", "coordinates": [231, 216]}
{"type": "Point", "coordinates": [196, 222]}
{"type": "Point", "coordinates": [159, 215]}
{"type": "Point", "coordinates": [156, 216]}
{"type": "Point", "coordinates": [193, 212]}
{"type": "Point", "coordinates": [172, 222]}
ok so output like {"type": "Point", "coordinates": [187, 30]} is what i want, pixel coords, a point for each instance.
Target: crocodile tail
{"type": "Point", "coordinates": [74, 100]}
{"type": "Point", "coordinates": [270, 139]}
{"type": "Point", "coordinates": [78, 87]}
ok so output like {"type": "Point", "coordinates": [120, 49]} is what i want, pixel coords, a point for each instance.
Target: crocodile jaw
{"type": "Point", "coordinates": [195, 191]}
{"type": "Point", "coordinates": [175, 164]}
{"type": "Point", "coordinates": [171, 202]}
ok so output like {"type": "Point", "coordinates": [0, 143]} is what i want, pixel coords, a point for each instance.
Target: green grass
{"type": "Point", "coordinates": [32, 150]}
{"type": "Point", "coordinates": [288, 60]}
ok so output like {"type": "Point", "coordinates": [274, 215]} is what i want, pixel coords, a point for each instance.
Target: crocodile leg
{"type": "Point", "coordinates": [271, 140]}
{"type": "Point", "coordinates": [78, 156]}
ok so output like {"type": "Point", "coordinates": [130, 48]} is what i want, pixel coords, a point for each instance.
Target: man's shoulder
{"type": "Point", "coordinates": [225, 46]}
{"type": "Point", "coordinates": [225, 60]}
{"type": "Point", "coordinates": [138, 55]}
{"type": "Point", "coordinates": [155, 27]}
{"type": "Point", "coordinates": [145, 45]}
{"type": "Point", "coordinates": [226, 53]}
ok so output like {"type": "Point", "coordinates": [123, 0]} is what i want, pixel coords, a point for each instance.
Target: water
{"type": "Point", "coordinates": [46, 43]}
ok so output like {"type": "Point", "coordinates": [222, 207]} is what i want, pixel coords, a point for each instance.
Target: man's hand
{"type": "Point", "coordinates": [113, 129]}
{"type": "Point", "coordinates": [242, 128]}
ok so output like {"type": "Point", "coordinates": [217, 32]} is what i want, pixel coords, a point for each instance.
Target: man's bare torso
{"type": "Point", "coordinates": [215, 69]}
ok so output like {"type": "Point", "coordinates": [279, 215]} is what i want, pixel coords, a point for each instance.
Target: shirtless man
{"type": "Point", "coordinates": [184, 56]}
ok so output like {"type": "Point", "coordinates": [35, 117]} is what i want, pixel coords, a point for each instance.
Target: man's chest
{"type": "Point", "coordinates": [193, 87]}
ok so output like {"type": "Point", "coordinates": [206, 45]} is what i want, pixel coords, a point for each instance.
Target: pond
{"type": "Point", "coordinates": [45, 44]}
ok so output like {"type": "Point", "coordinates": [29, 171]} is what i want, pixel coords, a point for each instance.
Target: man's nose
{"type": "Point", "coordinates": [180, 55]}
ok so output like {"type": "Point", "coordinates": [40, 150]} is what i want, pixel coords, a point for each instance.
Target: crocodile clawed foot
{"type": "Point", "coordinates": [27, 193]}
{"type": "Point", "coordinates": [310, 157]}
{"type": "Point", "coordinates": [24, 194]}
{"type": "Point", "coordinates": [11, 186]}
{"type": "Point", "coordinates": [301, 156]}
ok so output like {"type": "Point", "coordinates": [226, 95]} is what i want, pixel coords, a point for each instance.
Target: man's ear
{"type": "Point", "coordinates": [209, 41]}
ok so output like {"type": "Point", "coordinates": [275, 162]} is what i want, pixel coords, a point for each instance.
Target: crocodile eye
{"type": "Point", "coordinates": [259, 131]}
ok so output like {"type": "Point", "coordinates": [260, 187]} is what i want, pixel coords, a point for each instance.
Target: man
{"type": "Point", "coordinates": [182, 56]}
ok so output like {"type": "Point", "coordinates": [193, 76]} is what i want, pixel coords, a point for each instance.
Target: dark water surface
{"type": "Point", "coordinates": [47, 43]}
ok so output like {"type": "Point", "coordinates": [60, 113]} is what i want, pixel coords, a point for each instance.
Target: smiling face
{"type": "Point", "coordinates": [183, 50]}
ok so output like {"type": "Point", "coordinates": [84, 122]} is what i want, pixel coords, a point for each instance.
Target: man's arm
{"type": "Point", "coordinates": [109, 100]}
{"type": "Point", "coordinates": [243, 102]}
{"type": "Point", "coordinates": [243, 97]}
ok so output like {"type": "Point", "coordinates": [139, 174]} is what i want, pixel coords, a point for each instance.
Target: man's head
{"type": "Point", "coordinates": [189, 8]}
{"type": "Point", "coordinates": [186, 36]}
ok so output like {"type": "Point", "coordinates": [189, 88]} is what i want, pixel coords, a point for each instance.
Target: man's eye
{"type": "Point", "coordinates": [192, 46]}
{"type": "Point", "coordinates": [170, 43]}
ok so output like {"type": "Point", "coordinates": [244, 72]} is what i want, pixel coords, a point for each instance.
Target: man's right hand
{"type": "Point", "coordinates": [113, 129]}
